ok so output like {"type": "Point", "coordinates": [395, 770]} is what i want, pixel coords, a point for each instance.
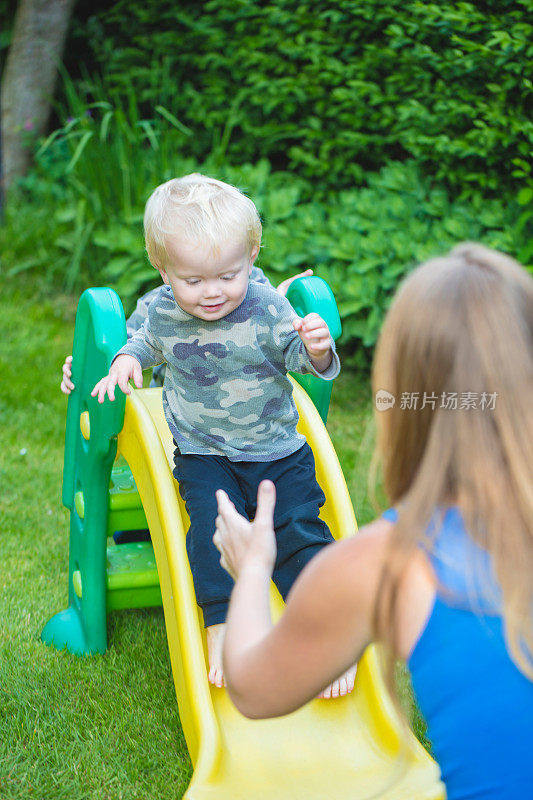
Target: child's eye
{"type": "Point", "coordinates": [228, 277]}
{"type": "Point", "coordinates": [192, 281]}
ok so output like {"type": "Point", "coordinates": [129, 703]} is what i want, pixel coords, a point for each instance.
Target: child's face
{"type": "Point", "coordinates": [206, 285]}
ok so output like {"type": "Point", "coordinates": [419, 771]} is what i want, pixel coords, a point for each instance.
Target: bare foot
{"type": "Point", "coordinates": [341, 687]}
{"type": "Point", "coordinates": [215, 640]}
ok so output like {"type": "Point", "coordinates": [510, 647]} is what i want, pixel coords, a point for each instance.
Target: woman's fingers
{"type": "Point", "coordinates": [266, 502]}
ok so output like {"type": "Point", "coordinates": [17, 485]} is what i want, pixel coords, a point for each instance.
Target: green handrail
{"type": "Point", "coordinates": [314, 294]}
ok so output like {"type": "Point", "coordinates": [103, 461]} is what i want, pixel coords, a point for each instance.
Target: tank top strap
{"type": "Point", "coordinates": [463, 569]}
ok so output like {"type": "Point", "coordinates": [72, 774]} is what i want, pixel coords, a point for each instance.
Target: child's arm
{"type": "Point", "coordinates": [259, 276]}
{"type": "Point", "coordinates": [284, 285]}
{"type": "Point", "coordinates": [133, 323]}
{"type": "Point", "coordinates": [122, 369]}
{"type": "Point", "coordinates": [315, 335]}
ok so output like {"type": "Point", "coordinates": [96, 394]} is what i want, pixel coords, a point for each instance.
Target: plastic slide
{"type": "Point", "coordinates": [347, 748]}
{"type": "Point", "coordinates": [351, 748]}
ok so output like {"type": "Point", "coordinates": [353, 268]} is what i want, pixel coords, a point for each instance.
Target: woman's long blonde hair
{"type": "Point", "coordinates": [460, 333]}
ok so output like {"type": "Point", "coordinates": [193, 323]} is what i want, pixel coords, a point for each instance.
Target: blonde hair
{"type": "Point", "coordinates": [198, 209]}
{"type": "Point", "coordinates": [462, 324]}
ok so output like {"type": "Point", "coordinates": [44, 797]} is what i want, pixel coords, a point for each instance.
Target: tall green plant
{"type": "Point", "coordinates": [93, 174]}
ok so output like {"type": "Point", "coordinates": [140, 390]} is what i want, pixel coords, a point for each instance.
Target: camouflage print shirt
{"type": "Point", "coordinates": [140, 313]}
{"type": "Point", "coordinates": [226, 389]}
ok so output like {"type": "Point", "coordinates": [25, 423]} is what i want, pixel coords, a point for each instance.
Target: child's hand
{"type": "Point", "coordinates": [284, 285]}
{"type": "Point", "coordinates": [66, 384]}
{"type": "Point", "coordinates": [122, 369]}
{"type": "Point", "coordinates": [316, 337]}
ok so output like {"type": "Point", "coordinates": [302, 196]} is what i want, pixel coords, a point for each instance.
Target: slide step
{"type": "Point", "coordinates": [132, 579]}
{"type": "Point", "coordinates": [123, 494]}
{"type": "Point", "coordinates": [131, 564]}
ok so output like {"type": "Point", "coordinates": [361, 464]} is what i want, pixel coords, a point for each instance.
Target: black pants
{"type": "Point", "coordinates": [300, 533]}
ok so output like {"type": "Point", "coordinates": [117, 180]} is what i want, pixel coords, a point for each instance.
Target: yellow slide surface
{"type": "Point", "coordinates": [344, 749]}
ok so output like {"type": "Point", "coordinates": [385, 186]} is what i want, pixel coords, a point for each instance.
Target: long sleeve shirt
{"type": "Point", "coordinates": [226, 390]}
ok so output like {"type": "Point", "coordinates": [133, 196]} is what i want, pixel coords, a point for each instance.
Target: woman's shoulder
{"type": "Point", "coordinates": [355, 564]}
{"type": "Point", "coordinates": [371, 540]}
{"type": "Point", "coordinates": [355, 568]}
{"type": "Point", "coordinates": [366, 554]}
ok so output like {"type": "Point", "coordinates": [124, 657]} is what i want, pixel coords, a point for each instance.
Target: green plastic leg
{"type": "Point", "coordinates": [65, 629]}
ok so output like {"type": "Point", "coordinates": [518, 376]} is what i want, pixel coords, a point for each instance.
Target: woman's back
{"type": "Point", "coordinates": [458, 333]}
{"type": "Point", "coordinates": [477, 703]}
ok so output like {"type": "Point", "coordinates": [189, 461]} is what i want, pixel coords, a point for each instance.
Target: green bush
{"type": "Point", "coordinates": [88, 188]}
{"type": "Point", "coordinates": [333, 90]}
{"type": "Point", "coordinates": [364, 241]}
{"type": "Point", "coordinates": [356, 127]}
{"type": "Point", "coordinates": [361, 241]}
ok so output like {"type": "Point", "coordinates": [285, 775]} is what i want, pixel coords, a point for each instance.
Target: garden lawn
{"type": "Point", "coordinates": [105, 727]}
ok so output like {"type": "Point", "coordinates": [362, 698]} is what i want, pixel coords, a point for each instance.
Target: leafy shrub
{"type": "Point", "coordinates": [361, 241]}
{"type": "Point", "coordinates": [354, 126]}
{"type": "Point", "coordinates": [333, 90]}
{"type": "Point", "coordinates": [364, 241]}
{"type": "Point", "coordinates": [87, 192]}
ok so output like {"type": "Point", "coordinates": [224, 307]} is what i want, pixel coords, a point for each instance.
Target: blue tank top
{"type": "Point", "coordinates": [477, 704]}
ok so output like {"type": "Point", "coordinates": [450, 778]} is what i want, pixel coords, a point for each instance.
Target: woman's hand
{"type": "Point", "coordinates": [242, 543]}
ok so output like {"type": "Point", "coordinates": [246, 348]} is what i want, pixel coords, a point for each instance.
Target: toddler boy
{"type": "Point", "coordinates": [140, 313]}
{"type": "Point", "coordinates": [228, 344]}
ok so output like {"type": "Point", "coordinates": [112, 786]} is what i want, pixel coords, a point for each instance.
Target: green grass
{"type": "Point", "coordinates": [106, 726]}
{"type": "Point", "coordinates": [102, 727]}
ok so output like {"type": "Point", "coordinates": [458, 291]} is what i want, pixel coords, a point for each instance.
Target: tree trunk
{"type": "Point", "coordinates": [39, 33]}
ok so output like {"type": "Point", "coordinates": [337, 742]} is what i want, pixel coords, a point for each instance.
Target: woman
{"type": "Point", "coordinates": [444, 578]}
